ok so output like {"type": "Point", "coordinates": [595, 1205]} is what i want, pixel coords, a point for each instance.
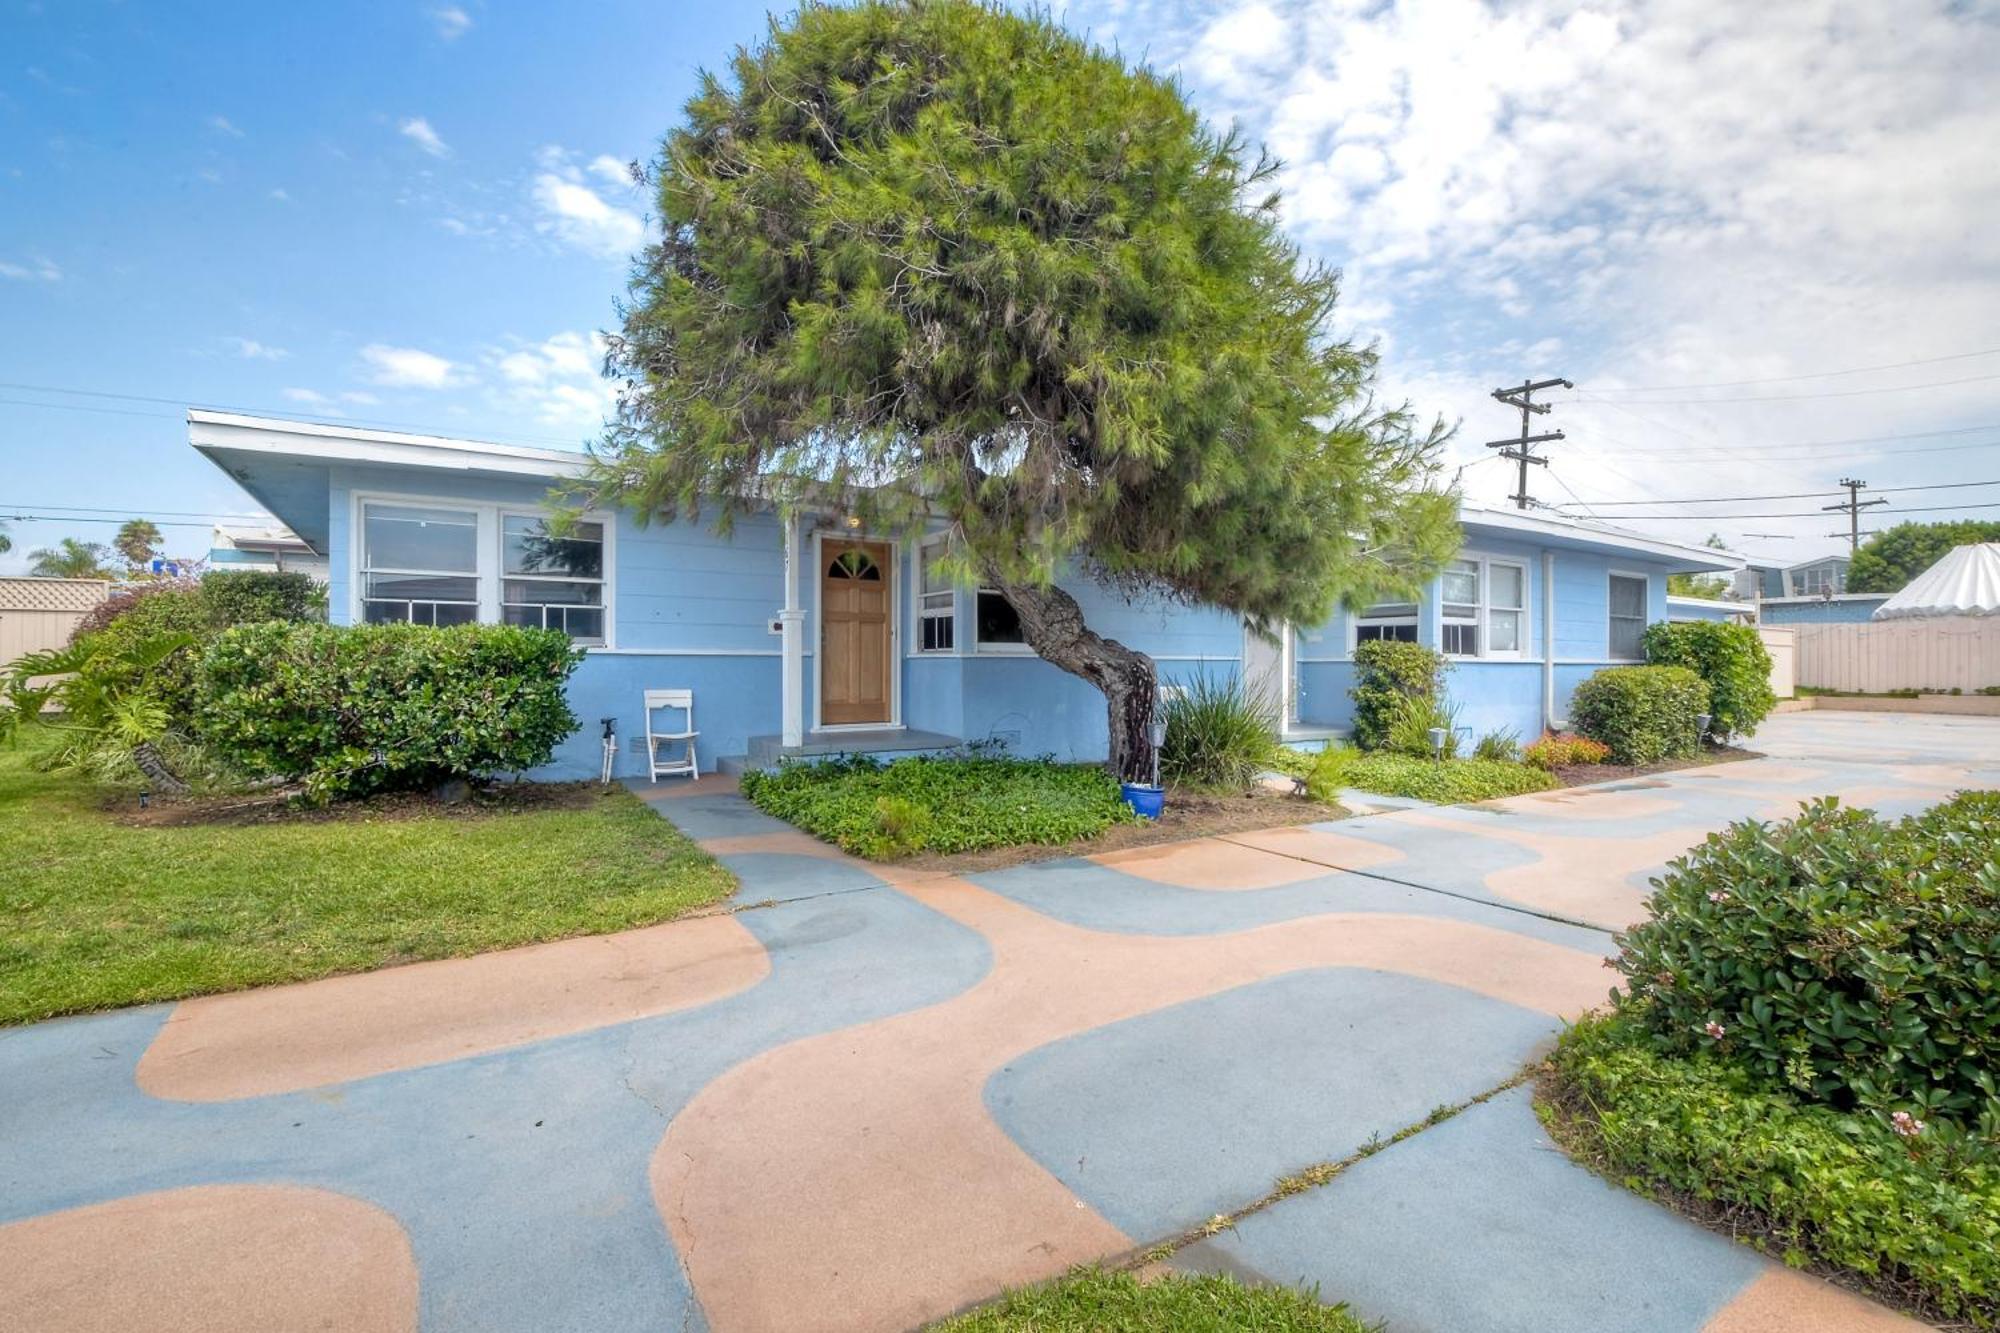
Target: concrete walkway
{"type": "Point", "coordinates": [872, 1097]}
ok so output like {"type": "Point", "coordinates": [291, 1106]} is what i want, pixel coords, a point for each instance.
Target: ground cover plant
{"type": "Point", "coordinates": [949, 803]}
{"type": "Point", "coordinates": [1091, 1300]}
{"type": "Point", "coordinates": [1807, 1042]}
{"type": "Point", "coordinates": [1389, 774]}
{"type": "Point", "coordinates": [99, 909]}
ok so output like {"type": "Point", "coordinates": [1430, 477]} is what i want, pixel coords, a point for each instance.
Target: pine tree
{"type": "Point", "coordinates": [935, 261]}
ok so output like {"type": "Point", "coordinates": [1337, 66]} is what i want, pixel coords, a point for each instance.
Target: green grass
{"type": "Point", "coordinates": [1916, 1217]}
{"type": "Point", "coordinates": [957, 803]}
{"type": "Point", "coordinates": [96, 913]}
{"type": "Point", "coordinates": [1091, 1300]}
{"type": "Point", "coordinates": [1388, 774]}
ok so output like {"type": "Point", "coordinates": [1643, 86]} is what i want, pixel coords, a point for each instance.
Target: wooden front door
{"type": "Point", "coordinates": [855, 655]}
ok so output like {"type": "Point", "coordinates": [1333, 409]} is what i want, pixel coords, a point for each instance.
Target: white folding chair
{"type": "Point", "coordinates": [681, 763]}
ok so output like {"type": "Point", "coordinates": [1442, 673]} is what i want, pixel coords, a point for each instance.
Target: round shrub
{"type": "Point", "coordinates": [1850, 959]}
{"type": "Point", "coordinates": [1387, 676]}
{"type": "Point", "coordinates": [1731, 658]}
{"type": "Point", "coordinates": [364, 708]}
{"type": "Point", "coordinates": [1644, 714]}
{"type": "Point", "coordinates": [1564, 750]}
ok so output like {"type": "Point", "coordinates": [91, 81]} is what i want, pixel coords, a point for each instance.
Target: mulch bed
{"type": "Point", "coordinates": [1584, 775]}
{"type": "Point", "coordinates": [1187, 814]}
{"type": "Point", "coordinates": [284, 807]}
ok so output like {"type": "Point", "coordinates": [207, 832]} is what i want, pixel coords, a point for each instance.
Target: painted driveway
{"type": "Point", "coordinates": [872, 1096]}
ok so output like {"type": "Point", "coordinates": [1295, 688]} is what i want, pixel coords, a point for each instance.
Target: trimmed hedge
{"type": "Point", "coordinates": [1731, 658]}
{"type": "Point", "coordinates": [1849, 959]}
{"type": "Point", "coordinates": [1388, 677]}
{"type": "Point", "coordinates": [1919, 1218]}
{"type": "Point", "coordinates": [247, 596]}
{"type": "Point", "coordinates": [1644, 714]}
{"type": "Point", "coordinates": [357, 709]}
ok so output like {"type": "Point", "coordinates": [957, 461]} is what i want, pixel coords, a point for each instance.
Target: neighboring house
{"type": "Point", "coordinates": [1843, 608]}
{"type": "Point", "coordinates": [1708, 608]}
{"type": "Point", "coordinates": [1811, 578]}
{"type": "Point", "coordinates": [807, 635]}
{"type": "Point", "coordinates": [237, 546]}
{"type": "Point", "coordinates": [37, 614]}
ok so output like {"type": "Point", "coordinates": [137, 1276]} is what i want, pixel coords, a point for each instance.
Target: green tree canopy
{"type": "Point", "coordinates": [71, 559]}
{"type": "Point", "coordinates": [138, 540]}
{"type": "Point", "coordinates": [1701, 585]}
{"type": "Point", "coordinates": [935, 261]}
{"type": "Point", "coordinates": [1894, 556]}
{"type": "Point", "coordinates": [6, 542]}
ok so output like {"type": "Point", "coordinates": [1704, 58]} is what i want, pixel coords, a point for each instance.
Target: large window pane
{"type": "Point", "coordinates": [1628, 596]}
{"type": "Point", "coordinates": [531, 549]}
{"type": "Point", "coordinates": [422, 588]}
{"type": "Point", "coordinates": [1461, 583]}
{"type": "Point", "coordinates": [1628, 617]}
{"type": "Point", "coordinates": [1509, 586]}
{"type": "Point", "coordinates": [1504, 631]}
{"type": "Point", "coordinates": [409, 537]}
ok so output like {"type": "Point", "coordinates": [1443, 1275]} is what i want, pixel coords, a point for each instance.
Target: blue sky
{"type": "Point", "coordinates": [413, 214]}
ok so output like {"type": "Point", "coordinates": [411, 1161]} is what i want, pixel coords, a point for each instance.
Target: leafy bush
{"type": "Point", "coordinates": [1091, 1300]}
{"type": "Point", "coordinates": [1387, 673]}
{"type": "Point", "coordinates": [247, 596]}
{"type": "Point", "coordinates": [1220, 733]}
{"type": "Point", "coordinates": [1500, 747]}
{"type": "Point", "coordinates": [1448, 781]}
{"type": "Point", "coordinates": [1731, 658]}
{"type": "Point", "coordinates": [954, 803]}
{"type": "Point", "coordinates": [1919, 1214]}
{"type": "Point", "coordinates": [1564, 750]}
{"type": "Point", "coordinates": [365, 708]}
{"type": "Point", "coordinates": [100, 690]}
{"type": "Point", "coordinates": [1411, 722]}
{"type": "Point", "coordinates": [178, 591]}
{"type": "Point", "coordinates": [1854, 961]}
{"type": "Point", "coordinates": [1643, 714]}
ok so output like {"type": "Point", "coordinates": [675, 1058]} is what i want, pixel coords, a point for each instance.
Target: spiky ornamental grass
{"type": "Point", "coordinates": [934, 259]}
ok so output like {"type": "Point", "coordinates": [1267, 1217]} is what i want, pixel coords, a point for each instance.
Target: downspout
{"type": "Point", "coordinates": [792, 643]}
{"type": "Point", "coordinates": [1550, 722]}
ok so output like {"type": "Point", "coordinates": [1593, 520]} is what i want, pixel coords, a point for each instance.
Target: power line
{"type": "Point", "coordinates": [1794, 495]}
{"type": "Point", "coordinates": [1522, 450]}
{"type": "Point", "coordinates": [73, 518]}
{"type": "Point", "coordinates": [1796, 513]}
{"type": "Point", "coordinates": [1810, 375]}
{"type": "Point", "coordinates": [1802, 397]}
{"type": "Point", "coordinates": [140, 511]}
{"type": "Point", "coordinates": [1712, 448]}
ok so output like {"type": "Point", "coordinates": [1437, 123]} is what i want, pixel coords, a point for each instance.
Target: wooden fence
{"type": "Point", "coordinates": [39, 613]}
{"type": "Point", "coordinates": [1948, 652]}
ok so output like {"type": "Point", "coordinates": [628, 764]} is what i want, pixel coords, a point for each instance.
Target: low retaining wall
{"type": "Point", "coordinates": [1964, 705]}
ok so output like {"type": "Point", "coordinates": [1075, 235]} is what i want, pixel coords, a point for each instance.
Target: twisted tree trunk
{"type": "Point", "coordinates": [149, 761]}
{"type": "Point", "coordinates": [1053, 624]}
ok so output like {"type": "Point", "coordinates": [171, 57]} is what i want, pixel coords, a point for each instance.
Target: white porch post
{"type": "Point", "coordinates": [793, 643]}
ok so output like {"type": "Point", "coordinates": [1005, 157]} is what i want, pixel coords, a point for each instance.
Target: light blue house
{"type": "Point", "coordinates": [807, 636]}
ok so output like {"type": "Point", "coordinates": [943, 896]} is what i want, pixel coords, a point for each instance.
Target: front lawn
{"type": "Point", "coordinates": [98, 909]}
{"type": "Point", "coordinates": [1091, 1300]}
{"type": "Point", "coordinates": [954, 803]}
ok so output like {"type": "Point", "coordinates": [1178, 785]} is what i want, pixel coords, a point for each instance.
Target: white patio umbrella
{"type": "Point", "coordinates": [1966, 582]}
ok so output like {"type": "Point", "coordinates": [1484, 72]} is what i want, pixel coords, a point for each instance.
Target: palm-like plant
{"type": "Point", "coordinates": [100, 699]}
{"type": "Point", "coordinates": [71, 559]}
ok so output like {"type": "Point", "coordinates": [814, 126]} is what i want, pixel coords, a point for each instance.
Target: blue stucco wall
{"type": "Point", "coordinates": [1817, 612]}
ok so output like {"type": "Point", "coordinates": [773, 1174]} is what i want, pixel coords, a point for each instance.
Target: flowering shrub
{"type": "Point", "coordinates": [1643, 713]}
{"type": "Point", "coordinates": [1913, 1210]}
{"type": "Point", "coordinates": [1564, 749]}
{"type": "Point", "coordinates": [1853, 961]}
{"type": "Point", "coordinates": [365, 708]}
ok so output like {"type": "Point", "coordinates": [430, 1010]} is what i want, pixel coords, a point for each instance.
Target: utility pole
{"type": "Point", "coordinates": [1852, 507]}
{"type": "Point", "coordinates": [1522, 451]}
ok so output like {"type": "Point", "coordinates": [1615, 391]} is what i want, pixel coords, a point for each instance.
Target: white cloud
{"type": "Point", "coordinates": [419, 132]}
{"type": "Point", "coordinates": [35, 270]}
{"type": "Point", "coordinates": [452, 22]}
{"type": "Point", "coordinates": [576, 213]}
{"type": "Point", "coordinates": [281, 195]}
{"type": "Point", "coordinates": [308, 397]}
{"type": "Point", "coordinates": [222, 125]}
{"type": "Point", "coordinates": [252, 350]}
{"type": "Point", "coordinates": [557, 382]}
{"type": "Point", "coordinates": [409, 368]}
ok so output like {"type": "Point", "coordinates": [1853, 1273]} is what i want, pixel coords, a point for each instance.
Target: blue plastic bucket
{"type": "Point", "coordinates": [1146, 801]}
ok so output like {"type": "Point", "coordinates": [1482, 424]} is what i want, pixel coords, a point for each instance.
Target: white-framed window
{"type": "Point", "coordinates": [1628, 617]}
{"type": "Point", "coordinates": [433, 561]}
{"type": "Point", "coordinates": [1459, 596]}
{"type": "Point", "coordinates": [552, 582]}
{"type": "Point", "coordinates": [1483, 608]}
{"type": "Point", "coordinates": [996, 625]}
{"type": "Point", "coordinates": [1819, 580]}
{"type": "Point", "coordinates": [937, 603]}
{"type": "Point", "coordinates": [1393, 621]}
{"type": "Point", "coordinates": [419, 563]}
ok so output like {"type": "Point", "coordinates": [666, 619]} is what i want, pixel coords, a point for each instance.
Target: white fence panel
{"type": "Point", "coordinates": [1783, 648]}
{"type": "Point", "coordinates": [1949, 652]}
